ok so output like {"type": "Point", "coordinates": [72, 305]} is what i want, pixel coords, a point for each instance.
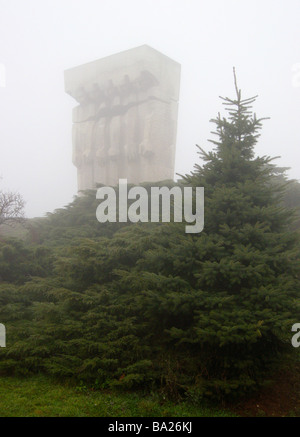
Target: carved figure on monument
{"type": "Point", "coordinates": [100, 141]}
{"type": "Point", "coordinates": [129, 100]}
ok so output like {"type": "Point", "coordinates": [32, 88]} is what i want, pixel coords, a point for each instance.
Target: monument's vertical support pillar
{"type": "Point", "coordinates": [125, 124]}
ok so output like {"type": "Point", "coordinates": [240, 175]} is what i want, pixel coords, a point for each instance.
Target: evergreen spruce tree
{"type": "Point", "coordinates": [247, 258]}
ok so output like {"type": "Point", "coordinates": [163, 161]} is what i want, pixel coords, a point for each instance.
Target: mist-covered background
{"type": "Point", "coordinates": [40, 39]}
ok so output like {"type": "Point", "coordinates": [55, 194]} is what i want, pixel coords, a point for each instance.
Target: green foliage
{"type": "Point", "coordinates": [147, 306]}
{"type": "Point", "coordinates": [19, 263]}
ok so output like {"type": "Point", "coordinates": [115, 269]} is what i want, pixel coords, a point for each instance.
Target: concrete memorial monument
{"type": "Point", "coordinates": [126, 121]}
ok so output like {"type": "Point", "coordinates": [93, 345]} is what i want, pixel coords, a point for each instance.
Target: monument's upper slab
{"type": "Point", "coordinates": [111, 69]}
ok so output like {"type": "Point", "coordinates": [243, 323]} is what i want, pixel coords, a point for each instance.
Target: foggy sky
{"type": "Point", "coordinates": [39, 39]}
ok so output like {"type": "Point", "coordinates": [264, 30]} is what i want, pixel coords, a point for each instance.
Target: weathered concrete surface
{"type": "Point", "coordinates": [126, 122]}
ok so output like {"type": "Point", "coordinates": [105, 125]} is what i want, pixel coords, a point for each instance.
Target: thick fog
{"type": "Point", "coordinates": [41, 39]}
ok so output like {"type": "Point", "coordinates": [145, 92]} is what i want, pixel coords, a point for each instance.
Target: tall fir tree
{"type": "Point", "coordinates": [248, 259]}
